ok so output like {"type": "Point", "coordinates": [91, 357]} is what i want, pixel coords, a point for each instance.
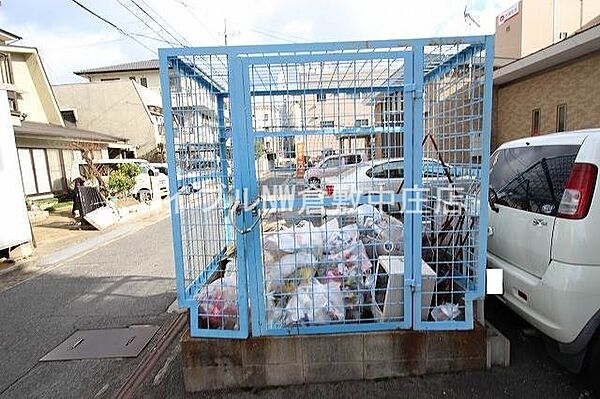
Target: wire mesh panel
{"type": "Point", "coordinates": [336, 163]}
{"type": "Point", "coordinates": [455, 152]}
{"type": "Point", "coordinates": [210, 281]}
{"type": "Point", "coordinates": [313, 182]}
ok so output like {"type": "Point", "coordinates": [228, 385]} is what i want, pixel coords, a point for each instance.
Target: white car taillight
{"type": "Point", "coordinates": [577, 197]}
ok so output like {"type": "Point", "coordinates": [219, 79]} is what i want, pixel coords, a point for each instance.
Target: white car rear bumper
{"type": "Point", "coordinates": [559, 304]}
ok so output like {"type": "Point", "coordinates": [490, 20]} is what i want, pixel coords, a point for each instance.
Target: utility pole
{"type": "Point", "coordinates": [225, 31]}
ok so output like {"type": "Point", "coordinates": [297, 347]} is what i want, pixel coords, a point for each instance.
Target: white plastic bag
{"type": "Point", "coordinates": [277, 272]}
{"type": "Point", "coordinates": [342, 239]}
{"type": "Point", "coordinates": [302, 237]}
{"type": "Point", "coordinates": [367, 217]}
{"type": "Point", "coordinates": [353, 255]}
{"type": "Point", "coordinates": [315, 303]}
{"type": "Point", "coordinates": [447, 311]}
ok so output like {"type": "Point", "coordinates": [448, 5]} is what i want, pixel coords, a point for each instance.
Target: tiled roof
{"type": "Point", "coordinates": [58, 132]}
{"type": "Point", "coordinates": [129, 66]}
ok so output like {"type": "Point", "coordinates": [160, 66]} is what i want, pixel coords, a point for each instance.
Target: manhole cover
{"type": "Point", "coordinates": [104, 343]}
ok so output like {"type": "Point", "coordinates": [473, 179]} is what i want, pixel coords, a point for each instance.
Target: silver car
{"type": "Point", "coordinates": [330, 166]}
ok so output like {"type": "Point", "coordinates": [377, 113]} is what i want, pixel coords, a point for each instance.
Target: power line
{"type": "Point", "coordinates": [193, 14]}
{"type": "Point", "coordinates": [168, 25]}
{"type": "Point", "coordinates": [162, 38]}
{"type": "Point", "coordinates": [114, 26]}
{"type": "Point", "coordinates": [157, 23]}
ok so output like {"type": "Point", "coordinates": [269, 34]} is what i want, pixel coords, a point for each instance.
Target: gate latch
{"type": "Point", "coordinates": [237, 207]}
{"type": "Point", "coordinates": [409, 282]}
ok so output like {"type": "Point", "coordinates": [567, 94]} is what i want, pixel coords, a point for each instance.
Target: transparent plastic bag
{"type": "Point", "coordinates": [447, 311]}
{"type": "Point", "coordinates": [315, 303]}
{"type": "Point", "coordinates": [217, 303]}
{"type": "Point", "coordinates": [302, 237]}
{"type": "Point", "coordinates": [280, 270]}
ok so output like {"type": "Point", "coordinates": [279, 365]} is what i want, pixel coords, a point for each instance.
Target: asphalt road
{"type": "Point", "coordinates": [128, 281]}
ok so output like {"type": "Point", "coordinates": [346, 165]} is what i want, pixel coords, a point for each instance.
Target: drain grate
{"type": "Point", "coordinates": [103, 343]}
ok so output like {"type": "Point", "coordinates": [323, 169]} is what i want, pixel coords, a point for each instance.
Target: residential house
{"type": "Point", "coordinates": [124, 108]}
{"type": "Point", "coordinates": [143, 72]}
{"type": "Point", "coordinates": [553, 90]}
{"type": "Point", "coordinates": [46, 147]}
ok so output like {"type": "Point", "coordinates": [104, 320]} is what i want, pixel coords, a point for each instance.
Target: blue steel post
{"type": "Point", "coordinates": [485, 159]}
{"type": "Point", "coordinates": [224, 166]}
{"type": "Point", "coordinates": [417, 168]}
{"type": "Point", "coordinates": [410, 117]}
{"type": "Point", "coordinates": [241, 177]}
{"type": "Point", "coordinates": [173, 192]}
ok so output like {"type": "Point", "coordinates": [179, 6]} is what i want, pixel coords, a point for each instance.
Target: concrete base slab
{"type": "Point", "coordinates": [210, 364]}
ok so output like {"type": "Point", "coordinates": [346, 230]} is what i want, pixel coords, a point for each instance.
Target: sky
{"type": "Point", "coordinates": [69, 38]}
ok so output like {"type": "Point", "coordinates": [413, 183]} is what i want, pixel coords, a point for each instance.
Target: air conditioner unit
{"type": "Point", "coordinates": [388, 292]}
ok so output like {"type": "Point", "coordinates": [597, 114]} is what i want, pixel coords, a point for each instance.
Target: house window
{"type": "Point", "coordinates": [325, 124]}
{"type": "Point", "coordinates": [535, 122]}
{"type": "Point", "coordinates": [361, 122]}
{"type": "Point", "coordinates": [6, 76]}
{"type": "Point", "coordinates": [144, 82]}
{"type": "Point", "coordinates": [321, 97]}
{"type": "Point", "coordinates": [109, 79]}
{"type": "Point", "coordinates": [561, 117]}
{"type": "Point", "coordinates": [69, 117]}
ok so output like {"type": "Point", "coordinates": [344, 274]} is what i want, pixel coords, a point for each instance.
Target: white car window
{"type": "Point", "coordinates": [388, 170]}
{"type": "Point", "coordinates": [331, 163]}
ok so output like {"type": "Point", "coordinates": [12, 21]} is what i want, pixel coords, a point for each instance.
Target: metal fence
{"type": "Point", "coordinates": [329, 187]}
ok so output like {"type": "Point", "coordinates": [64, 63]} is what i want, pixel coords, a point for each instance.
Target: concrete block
{"type": "Point", "coordinates": [331, 372]}
{"type": "Point", "coordinates": [332, 348]}
{"type": "Point", "coordinates": [274, 375]}
{"type": "Point", "coordinates": [269, 350]}
{"type": "Point", "coordinates": [497, 348]}
{"type": "Point", "coordinates": [394, 345]}
{"type": "Point", "coordinates": [389, 369]}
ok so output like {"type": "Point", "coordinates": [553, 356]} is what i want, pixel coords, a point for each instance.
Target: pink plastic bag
{"type": "Point", "coordinates": [217, 303]}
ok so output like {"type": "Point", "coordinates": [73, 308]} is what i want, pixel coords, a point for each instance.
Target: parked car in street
{"type": "Point", "coordinates": [142, 189]}
{"type": "Point", "coordinates": [330, 166]}
{"type": "Point", "coordinates": [385, 175]}
{"type": "Point", "coordinates": [544, 224]}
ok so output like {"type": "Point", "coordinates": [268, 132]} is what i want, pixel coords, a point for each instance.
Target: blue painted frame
{"type": "Point", "coordinates": [256, 276]}
{"type": "Point", "coordinates": [248, 254]}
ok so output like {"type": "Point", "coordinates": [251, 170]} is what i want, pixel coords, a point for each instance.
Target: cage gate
{"type": "Point", "coordinates": [328, 187]}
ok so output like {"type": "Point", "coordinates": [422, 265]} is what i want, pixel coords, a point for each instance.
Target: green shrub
{"type": "Point", "coordinates": [122, 180]}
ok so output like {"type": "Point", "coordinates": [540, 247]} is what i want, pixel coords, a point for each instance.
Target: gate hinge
{"type": "Point", "coordinates": [412, 88]}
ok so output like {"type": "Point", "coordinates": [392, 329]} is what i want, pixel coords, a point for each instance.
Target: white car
{"type": "Point", "coordinates": [544, 232]}
{"type": "Point", "coordinates": [143, 186]}
{"type": "Point", "coordinates": [380, 176]}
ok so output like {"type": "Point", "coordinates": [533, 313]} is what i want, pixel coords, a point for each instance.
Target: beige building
{"type": "Point", "coordinates": [555, 89]}
{"type": "Point", "coordinates": [123, 108]}
{"type": "Point", "coordinates": [46, 147]}
{"type": "Point", "coordinates": [143, 72]}
{"type": "Point", "coordinates": [530, 25]}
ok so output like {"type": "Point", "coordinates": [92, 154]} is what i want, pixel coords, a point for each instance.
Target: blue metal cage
{"type": "Point", "coordinates": [329, 187]}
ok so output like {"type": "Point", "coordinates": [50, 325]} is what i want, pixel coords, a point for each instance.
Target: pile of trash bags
{"type": "Point", "coordinates": [324, 274]}
{"type": "Point", "coordinates": [315, 275]}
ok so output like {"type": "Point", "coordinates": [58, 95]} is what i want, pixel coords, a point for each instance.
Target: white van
{"type": "Point", "coordinates": [544, 232]}
{"type": "Point", "coordinates": [143, 186]}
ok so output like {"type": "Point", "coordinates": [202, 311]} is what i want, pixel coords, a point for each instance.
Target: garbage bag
{"type": "Point", "coordinates": [354, 254]}
{"type": "Point", "coordinates": [304, 236]}
{"type": "Point", "coordinates": [217, 303]}
{"type": "Point", "coordinates": [368, 217]}
{"type": "Point", "coordinates": [390, 237]}
{"type": "Point", "coordinates": [447, 311]}
{"type": "Point", "coordinates": [342, 239]}
{"type": "Point", "coordinates": [315, 303]}
{"type": "Point", "coordinates": [278, 271]}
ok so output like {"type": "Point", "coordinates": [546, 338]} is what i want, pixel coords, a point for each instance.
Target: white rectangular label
{"type": "Point", "coordinates": [494, 281]}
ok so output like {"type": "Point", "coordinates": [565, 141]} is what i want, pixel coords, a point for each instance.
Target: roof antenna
{"type": "Point", "coordinates": [470, 19]}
